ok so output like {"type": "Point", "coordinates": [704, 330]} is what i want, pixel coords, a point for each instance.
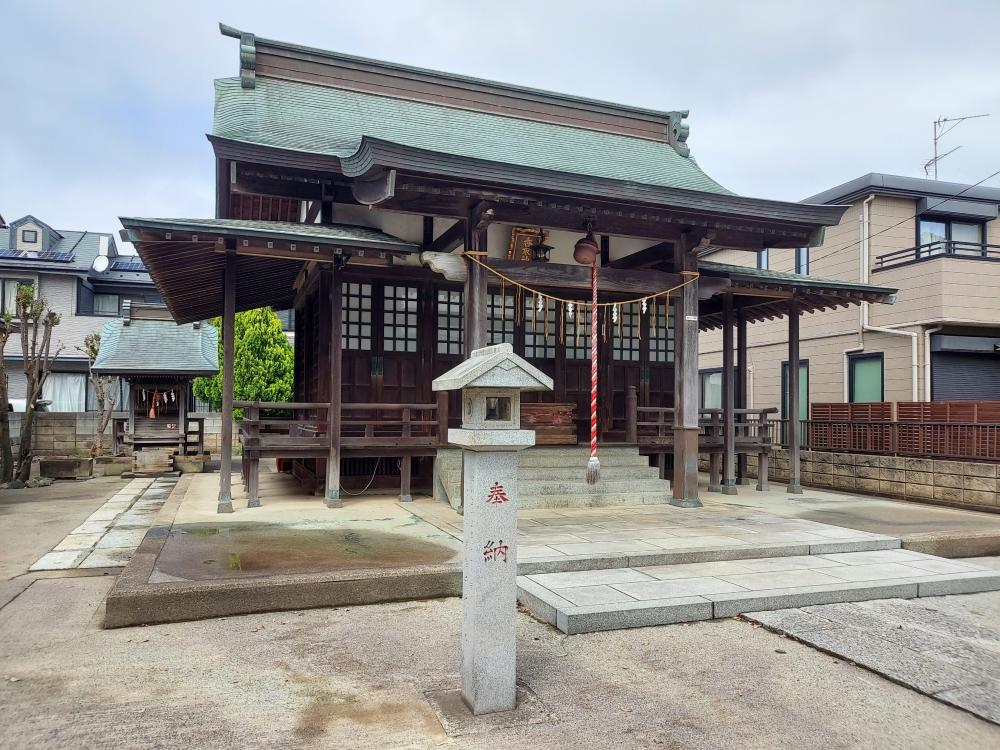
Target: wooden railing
{"type": "Point", "coordinates": [651, 426]}
{"type": "Point", "coordinates": [395, 428]}
{"type": "Point", "coordinates": [957, 440]}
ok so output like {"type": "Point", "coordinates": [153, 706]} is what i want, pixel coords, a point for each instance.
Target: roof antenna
{"type": "Point", "coordinates": [939, 131]}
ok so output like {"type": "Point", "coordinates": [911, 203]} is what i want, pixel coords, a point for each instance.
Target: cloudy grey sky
{"type": "Point", "coordinates": [106, 103]}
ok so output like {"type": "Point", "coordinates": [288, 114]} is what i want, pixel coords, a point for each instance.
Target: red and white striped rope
{"type": "Point", "coordinates": [593, 360]}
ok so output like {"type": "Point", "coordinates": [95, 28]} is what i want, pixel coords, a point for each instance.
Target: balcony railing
{"type": "Point", "coordinates": [942, 249]}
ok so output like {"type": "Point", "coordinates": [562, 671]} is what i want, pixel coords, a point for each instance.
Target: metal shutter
{"type": "Point", "coordinates": [960, 376]}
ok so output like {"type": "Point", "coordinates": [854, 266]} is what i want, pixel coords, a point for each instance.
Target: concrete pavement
{"type": "Point", "coordinates": [371, 676]}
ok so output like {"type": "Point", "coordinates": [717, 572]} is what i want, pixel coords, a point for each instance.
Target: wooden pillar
{"type": "Point", "coordinates": [332, 494]}
{"type": "Point", "coordinates": [224, 174]}
{"type": "Point", "coordinates": [228, 352]}
{"type": "Point", "coordinates": [251, 457]}
{"type": "Point", "coordinates": [715, 457]}
{"type": "Point", "coordinates": [741, 388]}
{"type": "Point", "coordinates": [685, 486]}
{"type": "Point", "coordinates": [632, 415]}
{"type": "Point", "coordinates": [728, 398]}
{"type": "Point", "coordinates": [475, 299]}
{"type": "Point", "coordinates": [794, 476]}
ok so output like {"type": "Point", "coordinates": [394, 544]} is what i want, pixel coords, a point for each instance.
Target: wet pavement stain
{"type": "Point", "coordinates": [205, 553]}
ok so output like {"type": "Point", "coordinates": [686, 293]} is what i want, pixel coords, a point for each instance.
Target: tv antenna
{"type": "Point", "coordinates": [943, 126]}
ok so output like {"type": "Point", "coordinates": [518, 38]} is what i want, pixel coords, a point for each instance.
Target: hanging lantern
{"type": "Point", "coordinates": [586, 249]}
{"type": "Point", "coordinates": [540, 251]}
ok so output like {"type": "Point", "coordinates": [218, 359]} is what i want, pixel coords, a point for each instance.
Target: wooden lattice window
{"type": "Point", "coordinates": [356, 319]}
{"type": "Point", "coordinates": [449, 321]}
{"type": "Point", "coordinates": [399, 318]}
{"type": "Point", "coordinates": [501, 318]}
{"type": "Point", "coordinates": [577, 333]}
{"type": "Point", "coordinates": [661, 333]}
{"type": "Point", "coordinates": [625, 346]}
{"type": "Point", "coordinates": [539, 328]}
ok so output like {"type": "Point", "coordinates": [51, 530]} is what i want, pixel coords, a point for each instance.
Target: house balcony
{"type": "Point", "coordinates": [940, 282]}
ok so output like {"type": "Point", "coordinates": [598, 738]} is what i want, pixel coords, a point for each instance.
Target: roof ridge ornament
{"type": "Point", "coordinates": [248, 54]}
{"type": "Point", "coordinates": [679, 132]}
{"type": "Point", "coordinates": [248, 60]}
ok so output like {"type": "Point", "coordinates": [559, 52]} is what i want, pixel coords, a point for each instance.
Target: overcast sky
{"type": "Point", "coordinates": [106, 103]}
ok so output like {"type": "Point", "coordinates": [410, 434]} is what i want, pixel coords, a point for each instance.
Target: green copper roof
{"type": "Point", "coordinates": [764, 275]}
{"type": "Point", "coordinates": [346, 234]}
{"type": "Point", "coordinates": [157, 347]}
{"type": "Point", "coordinates": [333, 122]}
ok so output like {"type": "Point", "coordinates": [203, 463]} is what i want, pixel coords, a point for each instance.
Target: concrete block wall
{"type": "Point", "coordinates": [960, 483]}
{"type": "Point", "coordinates": [70, 433]}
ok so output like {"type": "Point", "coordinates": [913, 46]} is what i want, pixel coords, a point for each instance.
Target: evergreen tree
{"type": "Point", "coordinates": [263, 361]}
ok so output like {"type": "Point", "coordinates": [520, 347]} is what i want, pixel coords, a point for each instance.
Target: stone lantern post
{"type": "Point", "coordinates": [491, 381]}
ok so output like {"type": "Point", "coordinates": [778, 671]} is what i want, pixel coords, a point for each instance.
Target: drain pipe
{"type": "Point", "coordinates": [865, 326]}
{"type": "Point", "coordinates": [927, 360]}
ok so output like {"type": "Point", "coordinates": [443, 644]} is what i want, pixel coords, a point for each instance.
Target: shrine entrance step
{"type": "Point", "coordinates": [587, 601]}
{"type": "Point", "coordinates": [554, 477]}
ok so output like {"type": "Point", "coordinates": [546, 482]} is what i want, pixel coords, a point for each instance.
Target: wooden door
{"type": "Point", "coordinates": [401, 380]}
{"type": "Point", "coordinates": [359, 362]}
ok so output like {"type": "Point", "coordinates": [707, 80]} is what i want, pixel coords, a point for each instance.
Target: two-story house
{"type": "Point", "coordinates": [83, 277]}
{"type": "Point", "coordinates": [938, 243]}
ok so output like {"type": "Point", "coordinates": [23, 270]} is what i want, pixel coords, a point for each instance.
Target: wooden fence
{"type": "Point", "coordinates": [943, 429]}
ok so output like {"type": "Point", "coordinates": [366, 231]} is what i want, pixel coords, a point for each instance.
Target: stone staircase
{"type": "Point", "coordinates": [553, 477]}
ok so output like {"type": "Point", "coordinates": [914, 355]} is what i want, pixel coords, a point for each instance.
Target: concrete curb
{"type": "Point", "coordinates": [954, 544]}
{"type": "Point", "coordinates": [135, 601]}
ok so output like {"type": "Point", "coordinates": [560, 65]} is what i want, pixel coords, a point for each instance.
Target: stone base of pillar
{"type": "Point", "coordinates": [332, 499]}
{"type": "Point", "coordinates": [743, 482]}
{"type": "Point", "coordinates": [253, 503]}
{"type": "Point", "coordinates": [225, 503]}
{"type": "Point", "coordinates": [794, 487]}
{"type": "Point", "coordinates": [729, 487]}
{"type": "Point", "coordinates": [406, 498]}
{"type": "Point", "coordinates": [763, 487]}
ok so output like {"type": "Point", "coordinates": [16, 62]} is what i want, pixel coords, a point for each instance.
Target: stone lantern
{"type": "Point", "coordinates": [491, 381]}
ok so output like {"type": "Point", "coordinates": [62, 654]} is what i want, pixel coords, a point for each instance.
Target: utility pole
{"type": "Point", "coordinates": [939, 131]}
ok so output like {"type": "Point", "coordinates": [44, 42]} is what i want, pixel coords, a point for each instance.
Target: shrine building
{"type": "Point", "coordinates": [409, 216]}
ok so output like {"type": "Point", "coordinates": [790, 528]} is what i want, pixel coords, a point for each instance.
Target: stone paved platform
{"type": "Point", "coordinates": [561, 540]}
{"type": "Point", "coordinates": [610, 599]}
{"type": "Point", "coordinates": [945, 647]}
{"type": "Point", "coordinates": [112, 533]}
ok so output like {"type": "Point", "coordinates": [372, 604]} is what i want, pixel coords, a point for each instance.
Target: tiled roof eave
{"type": "Point", "coordinates": [380, 153]}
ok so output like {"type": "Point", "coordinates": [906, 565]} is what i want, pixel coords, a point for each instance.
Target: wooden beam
{"type": "Point", "coordinates": [566, 276]}
{"type": "Point", "coordinates": [451, 238]}
{"type": "Point", "coordinates": [225, 504]}
{"type": "Point", "coordinates": [654, 254]}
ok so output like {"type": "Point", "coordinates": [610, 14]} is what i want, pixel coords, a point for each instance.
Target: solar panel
{"type": "Point", "coordinates": [50, 257]}
{"type": "Point", "coordinates": [129, 265]}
